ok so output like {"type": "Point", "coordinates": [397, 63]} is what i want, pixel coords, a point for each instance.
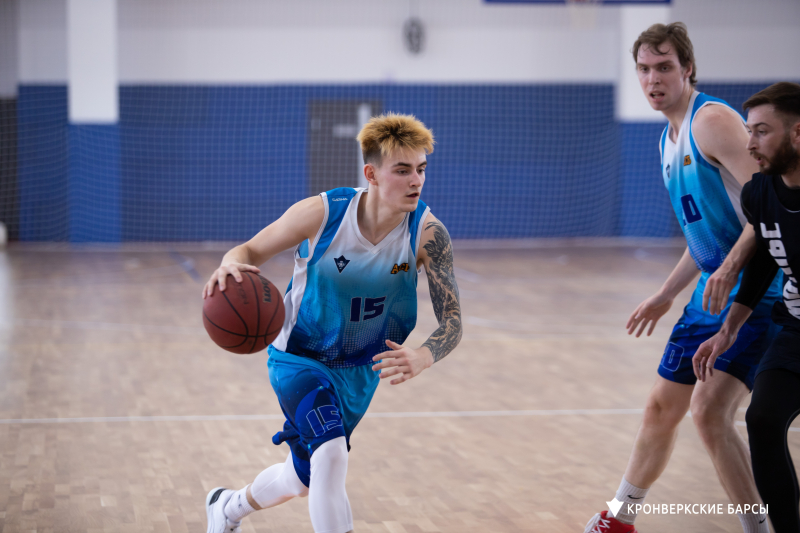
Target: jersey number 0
{"type": "Point", "coordinates": [690, 211]}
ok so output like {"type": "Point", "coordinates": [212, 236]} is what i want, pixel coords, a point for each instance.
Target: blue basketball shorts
{"type": "Point", "coordinates": [320, 403]}
{"type": "Point", "coordinates": [697, 326]}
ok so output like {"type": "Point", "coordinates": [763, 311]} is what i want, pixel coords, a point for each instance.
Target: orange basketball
{"type": "Point", "coordinates": [245, 317]}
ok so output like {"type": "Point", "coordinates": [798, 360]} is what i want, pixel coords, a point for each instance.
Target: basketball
{"type": "Point", "coordinates": [245, 317]}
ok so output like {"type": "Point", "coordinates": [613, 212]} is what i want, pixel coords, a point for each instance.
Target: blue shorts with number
{"type": "Point", "coordinates": [697, 326]}
{"type": "Point", "coordinates": [320, 403]}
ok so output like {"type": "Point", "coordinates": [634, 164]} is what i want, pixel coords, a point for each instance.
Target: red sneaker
{"type": "Point", "coordinates": [606, 523]}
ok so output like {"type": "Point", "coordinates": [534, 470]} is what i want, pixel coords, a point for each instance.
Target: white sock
{"type": "Point", "coordinates": [327, 498]}
{"type": "Point", "coordinates": [238, 507]}
{"type": "Point", "coordinates": [273, 486]}
{"type": "Point", "coordinates": [630, 496]}
{"type": "Point", "coordinates": [754, 522]}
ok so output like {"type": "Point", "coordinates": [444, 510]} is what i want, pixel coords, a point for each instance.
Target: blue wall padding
{"type": "Point", "coordinates": [210, 163]}
{"type": "Point", "coordinates": [42, 159]}
{"type": "Point", "coordinates": [94, 183]}
{"type": "Point", "coordinates": [511, 161]}
{"type": "Point", "coordinates": [644, 205]}
{"type": "Point", "coordinates": [221, 162]}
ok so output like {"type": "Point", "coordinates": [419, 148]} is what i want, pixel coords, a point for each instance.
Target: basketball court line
{"type": "Point", "coordinates": [527, 330]}
{"type": "Point", "coordinates": [410, 414]}
{"type": "Point", "coordinates": [186, 264]}
{"type": "Point", "coordinates": [570, 327]}
{"type": "Point", "coordinates": [508, 333]}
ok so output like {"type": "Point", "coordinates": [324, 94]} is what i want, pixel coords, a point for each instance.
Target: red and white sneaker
{"type": "Point", "coordinates": [606, 523]}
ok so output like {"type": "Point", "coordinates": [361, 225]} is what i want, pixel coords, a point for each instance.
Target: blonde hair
{"type": "Point", "coordinates": [386, 133]}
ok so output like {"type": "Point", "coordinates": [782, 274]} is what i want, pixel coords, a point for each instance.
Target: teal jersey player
{"type": "Point", "coordinates": [705, 163]}
{"type": "Point", "coordinates": [705, 197]}
{"type": "Point", "coordinates": [350, 305]}
{"type": "Point", "coordinates": [347, 297]}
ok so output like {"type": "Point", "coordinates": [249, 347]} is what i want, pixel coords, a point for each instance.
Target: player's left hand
{"type": "Point", "coordinates": [402, 361]}
{"type": "Point", "coordinates": [706, 355]}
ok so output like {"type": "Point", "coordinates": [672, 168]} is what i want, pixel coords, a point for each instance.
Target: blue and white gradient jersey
{"type": "Point", "coordinates": [347, 296]}
{"type": "Point", "coordinates": [704, 194]}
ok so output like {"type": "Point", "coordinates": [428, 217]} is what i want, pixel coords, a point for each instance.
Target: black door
{"type": "Point", "coordinates": [334, 157]}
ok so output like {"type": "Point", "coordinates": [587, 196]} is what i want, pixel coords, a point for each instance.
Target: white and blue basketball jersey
{"type": "Point", "coordinates": [347, 296]}
{"type": "Point", "coordinates": [704, 194]}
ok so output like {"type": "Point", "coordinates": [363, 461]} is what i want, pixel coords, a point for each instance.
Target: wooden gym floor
{"type": "Point", "coordinates": [118, 414]}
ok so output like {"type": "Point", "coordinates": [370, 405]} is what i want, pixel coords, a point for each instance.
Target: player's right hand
{"type": "Point", "coordinates": [648, 312]}
{"type": "Point", "coordinates": [706, 355]}
{"type": "Point", "coordinates": [219, 275]}
{"type": "Point", "coordinates": [718, 289]}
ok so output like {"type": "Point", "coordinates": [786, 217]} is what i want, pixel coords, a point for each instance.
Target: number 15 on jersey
{"type": "Point", "coordinates": [372, 308]}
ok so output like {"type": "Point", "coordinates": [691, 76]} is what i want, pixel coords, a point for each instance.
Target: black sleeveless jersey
{"type": "Point", "coordinates": [777, 228]}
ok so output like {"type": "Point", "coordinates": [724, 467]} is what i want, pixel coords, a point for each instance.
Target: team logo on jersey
{"type": "Point", "coordinates": [687, 161]}
{"type": "Point", "coordinates": [399, 268]}
{"type": "Point", "coordinates": [341, 262]}
{"type": "Point", "coordinates": [668, 167]}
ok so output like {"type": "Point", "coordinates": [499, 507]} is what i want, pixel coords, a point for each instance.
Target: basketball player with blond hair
{"type": "Point", "coordinates": [351, 304]}
{"type": "Point", "coordinates": [704, 164]}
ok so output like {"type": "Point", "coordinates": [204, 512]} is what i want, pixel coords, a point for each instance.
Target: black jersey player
{"type": "Point", "coordinates": [771, 202]}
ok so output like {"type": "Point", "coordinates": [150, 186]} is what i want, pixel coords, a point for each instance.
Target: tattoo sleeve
{"type": "Point", "coordinates": [444, 293]}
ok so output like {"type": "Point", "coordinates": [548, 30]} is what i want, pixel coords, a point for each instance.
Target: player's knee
{"type": "Point", "coordinates": [292, 482]}
{"type": "Point", "coordinates": [710, 418]}
{"type": "Point", "coordinates": [330, 459]}
{"type": "Point", "coordinates": [761, 421]}
{"type": "Point", "coordinates": [660, 412]}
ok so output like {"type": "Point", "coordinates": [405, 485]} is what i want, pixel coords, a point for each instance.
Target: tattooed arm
{"type": "Point", "coordinates": [436, 254]}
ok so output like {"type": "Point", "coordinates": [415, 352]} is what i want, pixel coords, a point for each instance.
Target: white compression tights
{"type": "Point", "coordinates": [277, 484]}
{"type": "Point", "coordinates": [327, 499]}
